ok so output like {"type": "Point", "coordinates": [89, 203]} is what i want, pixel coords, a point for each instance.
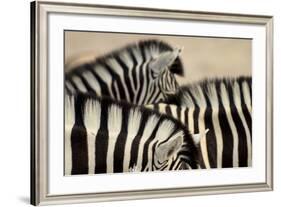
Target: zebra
{"type": "Point", "coordinates": [140, 73]}
{"type": "Point", "coordinates": [106, 136]}
{"type": "Point", "coordinates": [223, 107]}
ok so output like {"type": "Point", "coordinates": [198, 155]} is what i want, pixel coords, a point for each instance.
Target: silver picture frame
{"type": "Point", "coordinates": [39, 100]}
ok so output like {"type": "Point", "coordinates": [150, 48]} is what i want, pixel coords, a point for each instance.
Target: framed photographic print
{"type": "Point", "coordinates": [133, 103]}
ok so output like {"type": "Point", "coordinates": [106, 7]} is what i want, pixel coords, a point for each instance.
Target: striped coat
{"type": "Point", "coordinates": [105, 136]}
{"type": "Point", "coordinates": [223, 107]}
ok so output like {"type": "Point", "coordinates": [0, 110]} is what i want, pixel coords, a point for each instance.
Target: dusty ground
{"type": "Point", "coordinates": [202, 57]}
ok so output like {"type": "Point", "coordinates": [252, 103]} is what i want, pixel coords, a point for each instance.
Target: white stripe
{"type": "Point", "coordinates": [117, 90]}
{"type": "Point", "coordinates": [200, 100]}
{"type": "Point", "coordinates": [105, 76]}
{"type": "Point", "coordinates": [149, 127]}
{"type": "Point", "coordinates": [162, 108]}
{"type": "Point", "coordinates": [77, 81]}
{"type": "Point", "coordinates": [92, 81]}
{"type": "Point", "coordinates": [150, 106]}
{"type": "Point", "coordinates": [191, 120]}
{"type": "Point", "coordinates": [237, 101]}
{"type": "Point", "coordinates": [151, 85]}
{"type": "Point", "coordinates": [226, 104]}
{"type": "Point", "coordinates": [133, 127]}
{"type": "Point", "coordinates": [182, 115]}
{"type": "Point", "coordinates": [187, 102]}
{"type": "Point", "coordinates": [69, 86]}
{"type": "Point", "coordinates": [114, 128]}
{"type": "Point", "coordinates": [139, 62]}
{"type": "Point", "coordinates": [156, 95]}
{"type": "Point", "coordinates": [69, 123]}
{"type": "Point", "coordinates": [174, 112]}
{"type": "Point", "coordinates": [247, 96]}
{"type": "Point", "coordinates": [129, 63]}
{"type": "Point", "coordinates": [144, 86]}
{"type": "Point", "coordinates": [165, 129]}
{"type": "Point", "coordinates": [120, 71]}
{"type": "Point", "coordinates": [92, 124]}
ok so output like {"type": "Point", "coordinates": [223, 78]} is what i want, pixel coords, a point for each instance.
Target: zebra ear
{"type": "Point", "coordinates": [168, 149]}
{"type": "Point", "coordinates": [197, 137]}
{"type": "Point", "coordinates": [164, 60]}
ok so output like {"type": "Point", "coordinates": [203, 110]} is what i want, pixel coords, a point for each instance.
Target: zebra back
{"type": "Point", "coordinates": [222, 106]}
{"type": "Point", "coordinates": [140, 73]}
{"type": "Point", "coordinates": [105, 136]}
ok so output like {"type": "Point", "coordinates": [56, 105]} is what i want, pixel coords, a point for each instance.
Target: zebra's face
{"type": "Point", "coordinates": [163, 73]}
{"type": "Point", "coordinates": [173, 155]}
{"type": "Point", "coordinates": [168, 83]}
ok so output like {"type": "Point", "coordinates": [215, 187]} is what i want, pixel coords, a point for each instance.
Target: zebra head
{"type": "Point", "coordinates": [175, 154]}
{"type": "Point", "coordinates": [164, 68]}
{"type": "Point", "coordinates": [172, 148]}
{"type": "Point", "coordinates": [139, 73]}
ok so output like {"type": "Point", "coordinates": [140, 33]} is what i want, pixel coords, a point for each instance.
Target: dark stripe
{"type": "Point", "coordinates": [155, 90]}
{"type": "Point", "coordinates": [116, 77]}
{"type": "Point", "coordinates": [151, 89]}
{"type": "Point", "coordinates": [136, 141]}
{"type": "Point", "coordinates": [242, 145]}
{"type": "Point", "coordinates": [174, 163]}
{"type": "Point", "coordinates": [153, 155]}
{"type": "Point", "coordinates": [126, 77]}
{"type": "Point", "coordinates": [179, 113]}
{"type": "Point", "coordinates": [135, 64]}
{"type": "Point", "coordinates": [141, 77]}
{"type": "Point", "coordinates": [156, 107]}
{"type": "Point", "coordinates": [121, 142]}
{"type": "Point", "coordinates": [101, 144]}
{"type": "Point", "coordinates": [195, 114]}
{"type": "Point", "coordinates": [72, 83]}
{"type": "Point", "coordinates": [147, 143]}
{"type": "Point", "coordinates": [200, 158]}
{"type": "Point", "coordinates": [79, 145]}
{"type": "Point", "coordinates": [246, 113]}
{"type": "Point", "coordinates": [114, 91]}
{"type": "Point", "coordinates": [227, 159]}
{"type": "Point", "coordinates": [249, 81]}
{"type": "Point", "coordinates": [168, 110]}
{"type": "Point", "coordinates": [67, 90]}
{"type": "Point", "coordinates": [210, 136]}
{"type": "Point", "coordinates": [186, 117]}
{"type": "Point", "coordinates": [148, 80]}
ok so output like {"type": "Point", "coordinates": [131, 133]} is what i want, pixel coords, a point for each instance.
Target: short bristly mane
{"type": "Point", "coordinates": [212, 88]}
{"type": "Point", "coordinates": [149, 49]}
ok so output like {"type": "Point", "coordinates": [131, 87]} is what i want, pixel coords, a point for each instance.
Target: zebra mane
{"type": "Point", "coordinates": [147, 48]}
{"type": "Point", "coordinates": [227, 90]}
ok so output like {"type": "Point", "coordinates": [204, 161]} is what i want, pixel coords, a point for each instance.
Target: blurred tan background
{"type": "Point", "coordinates": [202, 57]}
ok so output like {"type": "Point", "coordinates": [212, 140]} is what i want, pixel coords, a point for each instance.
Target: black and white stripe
{"type": "Point", "coordinates": [141, 73]}
{"type": "Point", "coordinates": [224, 108]}
{"type": "Point", "coordinates": [103, 136]}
